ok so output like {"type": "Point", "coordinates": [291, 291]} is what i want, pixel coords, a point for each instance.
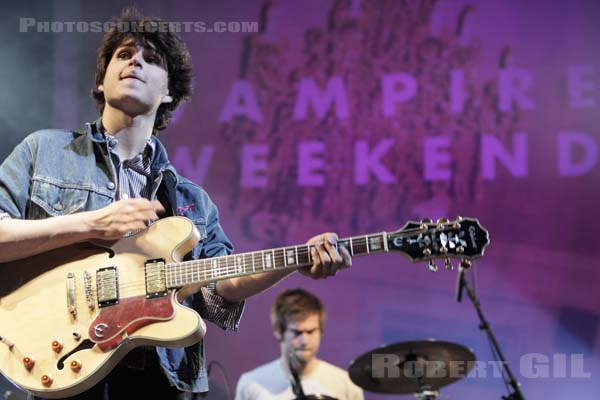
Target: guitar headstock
{"type": "Point", "coordinates": [463, 238]}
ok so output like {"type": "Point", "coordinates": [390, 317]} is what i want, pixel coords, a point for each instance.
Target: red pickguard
{"type": "Point", "coordinates": [107, 329]}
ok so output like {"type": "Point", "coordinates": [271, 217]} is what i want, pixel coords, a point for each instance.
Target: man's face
{"type": "Point", "coordinates": [303, 338]}
{"type": "Point", "coordinates": [136, 80]}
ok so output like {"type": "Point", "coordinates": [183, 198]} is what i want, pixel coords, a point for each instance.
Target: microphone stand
{"type": "Point", "coordinates": [296, 385]}
{"type": "Point", "coordinates": [485, 326]}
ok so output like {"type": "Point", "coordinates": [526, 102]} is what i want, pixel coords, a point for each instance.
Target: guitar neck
{"type": "Point", "coordinates": [214, 269]}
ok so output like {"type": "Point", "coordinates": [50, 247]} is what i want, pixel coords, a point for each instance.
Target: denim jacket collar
{"type": "Point", "coordinates": [160, 162]}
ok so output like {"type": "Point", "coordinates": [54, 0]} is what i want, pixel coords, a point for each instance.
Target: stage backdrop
{"type": "Point", "coordinates": [355, 117]}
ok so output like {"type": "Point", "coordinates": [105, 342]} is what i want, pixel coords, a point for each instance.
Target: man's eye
{"type": "Point", "coordinates": [154, 59]}
{"type": "Point", "coordinates": [123, 55]}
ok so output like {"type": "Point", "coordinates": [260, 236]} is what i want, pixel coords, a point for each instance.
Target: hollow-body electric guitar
{"type": "Point", "coordinates": [68, 316]}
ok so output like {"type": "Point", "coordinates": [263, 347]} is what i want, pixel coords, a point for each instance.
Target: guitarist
{"type": "Point", "coordinates": [61, 187]}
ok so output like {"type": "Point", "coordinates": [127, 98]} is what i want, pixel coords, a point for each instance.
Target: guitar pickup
{"type": "Point", "coordinates": [89, 296]}
{"type": "Point", "coordinates": [156, 280]}
{"type": "Point", "coordinates": [107, 286]}
{"type": "Point", "coordinates": [71, 298]}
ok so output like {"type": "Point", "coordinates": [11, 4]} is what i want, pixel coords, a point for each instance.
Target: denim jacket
{"type": "Point", "coordinates": [57, 172]}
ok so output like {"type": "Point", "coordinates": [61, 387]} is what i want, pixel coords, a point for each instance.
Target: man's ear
{"type": "Point", "coordinates": [167, 99]}
{"type": "Point", "coordinates": [277, 336]}
{"type": "Point", "coordinates": [101, 88]}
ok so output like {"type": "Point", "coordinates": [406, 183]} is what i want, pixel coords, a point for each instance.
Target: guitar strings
{"type": "Point", "coordinates": [211, 271]}
{"type": "Point", "coordinates": [182, 273]}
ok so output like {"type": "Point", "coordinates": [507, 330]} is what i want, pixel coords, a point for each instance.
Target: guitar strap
{"type": "Point", "coordinates": [167, 193]}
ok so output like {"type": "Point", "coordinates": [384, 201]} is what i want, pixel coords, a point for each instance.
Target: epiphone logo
{"type": "Point", "coordinates": [99, 329]}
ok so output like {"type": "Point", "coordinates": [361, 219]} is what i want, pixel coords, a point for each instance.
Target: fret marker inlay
{"type": "Point", "coordinates": [291, 258]}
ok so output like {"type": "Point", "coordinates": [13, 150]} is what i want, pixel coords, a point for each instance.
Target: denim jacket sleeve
{"type": "Point", "coordinates": [216, 309]}
{"type": "Point", "coordinates": [213, 243]}
{"type": "Point", "coordinates": [15, 181]}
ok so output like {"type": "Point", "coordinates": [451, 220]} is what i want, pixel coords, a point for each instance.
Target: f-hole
{"type": "Point", "coordinates": [86, 344]}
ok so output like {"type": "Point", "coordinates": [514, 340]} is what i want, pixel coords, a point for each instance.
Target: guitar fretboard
{"type": "Point", "coordinates": [218, 268]}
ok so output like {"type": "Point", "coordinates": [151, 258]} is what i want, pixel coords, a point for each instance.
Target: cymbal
{"type": "Point", "coordinates": [411, 367]}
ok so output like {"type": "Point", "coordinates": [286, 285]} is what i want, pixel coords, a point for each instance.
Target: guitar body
{"type": "Point", "coordinates": [58, 342]}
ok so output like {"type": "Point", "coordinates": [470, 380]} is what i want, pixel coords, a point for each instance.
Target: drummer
{"type": "Point", "coordinates": [298, 318]}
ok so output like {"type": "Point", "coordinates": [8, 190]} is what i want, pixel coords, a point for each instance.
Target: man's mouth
{"type": "Point", "coordinates": [132, 77]}
{"type": "Point", "coordinates": [302, 350]}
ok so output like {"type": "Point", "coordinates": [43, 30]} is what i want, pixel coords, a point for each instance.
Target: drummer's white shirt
{"type": "Point", "coordinates": [270, 382]}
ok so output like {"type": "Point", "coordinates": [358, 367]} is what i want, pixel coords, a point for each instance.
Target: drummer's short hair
{"type": "Point", "coordinates": [295, 305]}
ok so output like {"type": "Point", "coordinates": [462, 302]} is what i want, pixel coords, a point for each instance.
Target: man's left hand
{"type": "Point", "coordinates": [327, 259]}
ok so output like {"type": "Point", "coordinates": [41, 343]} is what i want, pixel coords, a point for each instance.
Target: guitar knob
{"type": "Point", "coordinates": [431, 266]}
{"type": "Point", "coordinates": [57, 346]}
{"type": "Point", "coordinates": [28, 362]}
{"type": "Point", "coordinates": [441, 221]}
{"type": "Point", "coordinates": [46, 380]}
{"type": "Point", "coordinates": [75, 365]}
{"type": "Point", "coordinates": [448, 264]}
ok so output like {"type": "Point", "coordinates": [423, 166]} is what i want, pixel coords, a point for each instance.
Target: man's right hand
{"type": "Point", "coordinates": [21, 238]}
{"type": "Point", "coordinates": [121, 217]}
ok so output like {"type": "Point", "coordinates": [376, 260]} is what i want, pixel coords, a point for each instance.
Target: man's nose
{"type": "Point", "coordinates": [301, 337]}
{"type": "Point", "coordinates": [136, 59]}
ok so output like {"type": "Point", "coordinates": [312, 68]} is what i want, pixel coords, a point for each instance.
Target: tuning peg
{"type": "Point", "coordinates": [431, 266]}
{"type": "Point", "coordinates": [456, 222]}
{"type": "Point", "coordinates": [448, 264]}
{"type": "Point", "coordinates": [465, 264]}
{"type": "Point", "coordinates": [439, 224]}
{"type": "Point", "coordinates": [425, 222]}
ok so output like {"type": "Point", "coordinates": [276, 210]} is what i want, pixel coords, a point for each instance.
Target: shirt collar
{"type": "Point", "coordinates": [98, 134]}
{"type": "Point", "coordinates": [159, 155]}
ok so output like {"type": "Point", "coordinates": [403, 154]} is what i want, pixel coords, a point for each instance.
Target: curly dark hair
{"type": "Point", "coordinates": [294, 305]}
{"type": "Point", "coordinates": [166, 42]}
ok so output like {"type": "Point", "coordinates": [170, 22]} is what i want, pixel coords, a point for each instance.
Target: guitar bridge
{"type": "Point", "coordinates": [156, 281]}
{"type": "Point", "coordinates": [107, 286]}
